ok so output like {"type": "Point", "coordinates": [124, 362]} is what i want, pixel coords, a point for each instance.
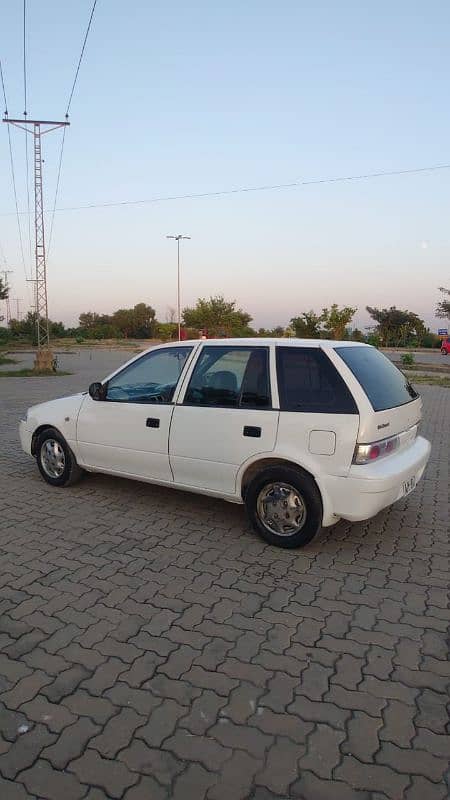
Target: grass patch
{"type": "Point", "coordinates": [426, 368]}
{"type": "Point", "coordinates": [31, 373]}
{"type": "Point", "coordinates": [432, 380]}
{"type": "Point", "coordinates": [5, 360]}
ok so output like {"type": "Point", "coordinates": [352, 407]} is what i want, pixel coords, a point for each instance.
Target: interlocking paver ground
{"type": "Point", "coordinates": [153, 647]}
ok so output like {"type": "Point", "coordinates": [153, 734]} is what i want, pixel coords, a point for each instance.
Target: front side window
{"type": "Point", "coordinates": [151, 379]}
{"type": "Point", "coordinates": [308, 381]}
{"type": "Point", "coordinates": [384, 384]}
{"type": "Point", "coordinates": [231, 377]}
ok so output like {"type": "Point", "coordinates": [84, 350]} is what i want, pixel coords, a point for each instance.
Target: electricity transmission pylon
{"type": "Point", "coordinates": [33, 126]}
{"type": "Point", "coordinates": [5, 273]}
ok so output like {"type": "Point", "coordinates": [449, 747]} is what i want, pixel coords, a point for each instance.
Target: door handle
{"type": "Point", "coordinates": [251, 430]}
{"type": "Point", "coordinates": [152, 422]}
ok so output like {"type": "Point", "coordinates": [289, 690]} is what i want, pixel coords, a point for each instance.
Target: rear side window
{"type": "Point", "coordinates": [308, 381]}
{"type": "Point", "coordinates": [384, 384]}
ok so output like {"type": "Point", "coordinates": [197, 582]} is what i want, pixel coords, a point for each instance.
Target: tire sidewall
{"type": "Point", "coordinates": [51, 433]}
{"type": "Point", "coordinates": [310, 495]}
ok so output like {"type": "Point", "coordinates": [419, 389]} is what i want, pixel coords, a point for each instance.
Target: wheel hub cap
{"type": "Point", "coordinates": [281, 509]}
{"type": "Point", "coordinates": [52, 458]}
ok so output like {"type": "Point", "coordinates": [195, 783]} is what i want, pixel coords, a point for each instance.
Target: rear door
{"type": "Point", "coordinates": [224, 418]}
{"type": "Point", "coordinates": [319, 418]}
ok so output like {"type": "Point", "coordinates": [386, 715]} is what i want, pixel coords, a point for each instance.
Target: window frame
{"type": "Point", "coordinates": [319, 353]}
{"type": "Point", "coordinates": [147, 356]}
{"type": "Point", "coordinates": [250, 347]}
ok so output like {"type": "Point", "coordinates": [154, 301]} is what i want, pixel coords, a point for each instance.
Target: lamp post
{"type": "Point", "coordinates": [178, 239]}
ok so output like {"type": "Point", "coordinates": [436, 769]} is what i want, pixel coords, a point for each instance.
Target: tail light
{"type": "Point", "coordinates": [368, 453]}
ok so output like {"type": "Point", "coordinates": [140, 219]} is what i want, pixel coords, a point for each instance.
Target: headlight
{"type": "Point", "coordinates": [25, 416]}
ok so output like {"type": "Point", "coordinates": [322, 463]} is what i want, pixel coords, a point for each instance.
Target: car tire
{"type": "Point", "coordinates": [284, 506]}
{"type": "Point", "coordinates": [56, 462]}
{"type": "Point", "coordinates": [443, 351]}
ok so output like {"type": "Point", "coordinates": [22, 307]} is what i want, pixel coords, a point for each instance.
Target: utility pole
{"type": "Point", "coordinates": [18, 301]}
{"type": "Point", "coordinates": [37, 128]}
{"type": "Point", "coordinates": [178, 239]}
{"type": "Point", "coordinates": [5, 273]}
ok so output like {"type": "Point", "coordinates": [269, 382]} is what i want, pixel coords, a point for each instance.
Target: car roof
{"type": "Point", "coordinates": [261, 341]}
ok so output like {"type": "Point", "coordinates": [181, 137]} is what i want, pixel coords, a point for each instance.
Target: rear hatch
{"type": "Point", "coordinates": [395, 405]}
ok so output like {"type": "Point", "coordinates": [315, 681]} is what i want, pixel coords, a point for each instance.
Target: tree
{"type": "Point", "coordinates": [356, 335]}
{"type": "Point", "coordinates": [443, 306]}
{"type": "Point", "coordinates": [219, 317]}
{"type": "Point", "coordinates": [307, 325]}
{"type": "Point", "coordinates": [332, 323]}
{"type": "Point", "coordinates": [26, 328]}
{"type": "Point", "coordinates": [144, 321]}
{"type": "Point", "coordinates": [89, 319]}
{"type": "Point", "coordinates": [4, 290]}
{"type": "Point", "coordinates": [123, 320]}
{"type": "Point", "coordinates": [336, 320]}
{"type": "Point", "coordinates": [396, 327]}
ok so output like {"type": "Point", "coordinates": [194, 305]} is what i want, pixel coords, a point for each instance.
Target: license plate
{"type": "Point", "coordinates": [409, 485]}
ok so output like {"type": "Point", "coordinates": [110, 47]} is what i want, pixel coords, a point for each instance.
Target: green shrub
{"type": "Point", "coordinates": [408, 359]}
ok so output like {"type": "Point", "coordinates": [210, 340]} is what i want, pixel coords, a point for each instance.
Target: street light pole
{"type": "Point", "coordinates": [178, 239]}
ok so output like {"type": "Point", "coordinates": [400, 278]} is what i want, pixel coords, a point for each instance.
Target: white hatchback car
{"type": "Point", "coordinates": [303, 432]}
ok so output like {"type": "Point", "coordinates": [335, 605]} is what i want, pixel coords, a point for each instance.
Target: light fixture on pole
{"type": "Point", "coordinates": [178, 239]}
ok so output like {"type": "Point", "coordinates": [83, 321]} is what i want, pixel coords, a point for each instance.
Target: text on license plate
{"type": "Point", "coordinates": [409, 485]}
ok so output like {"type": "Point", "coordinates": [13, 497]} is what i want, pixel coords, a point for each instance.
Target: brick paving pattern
{"type": "Point", "coordinates": [151, 646]}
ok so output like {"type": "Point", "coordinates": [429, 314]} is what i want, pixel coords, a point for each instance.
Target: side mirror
{"type": "Point", "coordinates": [97, 391]}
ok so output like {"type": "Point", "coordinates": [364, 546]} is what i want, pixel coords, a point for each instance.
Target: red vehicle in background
{"type": "Point", "coordinates": [445, 346]}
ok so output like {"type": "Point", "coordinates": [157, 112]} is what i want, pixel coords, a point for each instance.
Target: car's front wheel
{"type": "Point", "coordinates": [55, 459]}
{"type": "Point", "coordinates": [284, 506]}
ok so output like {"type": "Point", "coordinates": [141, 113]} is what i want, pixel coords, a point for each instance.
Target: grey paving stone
{"type": "Point", "coordinates": [311, 674]}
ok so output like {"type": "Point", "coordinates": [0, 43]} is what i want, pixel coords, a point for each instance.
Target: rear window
{"type": "Point", "coordinates": [308, 381]}
{"type": "Point", "coordinates": [384, 384]}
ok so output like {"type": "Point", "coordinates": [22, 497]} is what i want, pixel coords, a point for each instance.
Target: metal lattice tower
{"type": "Point", "coordinates": [41, 300]}
{"type": "Point", "coordinates": [33, 127]}
{"type": "Point", "coordinates": [5, 273]}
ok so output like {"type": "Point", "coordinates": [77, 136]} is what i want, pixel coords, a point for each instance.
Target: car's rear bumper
{"type": "Point", "coordinates": [369, 488]}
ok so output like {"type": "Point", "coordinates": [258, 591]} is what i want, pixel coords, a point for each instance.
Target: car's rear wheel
{"type": "Point", "coordinates": [284, 506]}
{"type": "Point", "coordinates": [56, 462]}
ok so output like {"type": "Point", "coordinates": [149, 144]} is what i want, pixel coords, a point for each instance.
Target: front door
{"type": "Point", "coordinates": [128, 432]}
{"type": "Point", "coordinates": [225, 417]}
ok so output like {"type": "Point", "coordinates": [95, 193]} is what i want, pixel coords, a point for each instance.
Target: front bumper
{"type": "Point", "coordinates": [369, 488]}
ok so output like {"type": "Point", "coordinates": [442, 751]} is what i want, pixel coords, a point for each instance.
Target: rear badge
{"type": "Point", "coordinates": [384, 425]}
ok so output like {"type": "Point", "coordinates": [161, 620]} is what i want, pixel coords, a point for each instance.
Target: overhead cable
{"type": "Point", "coordinates": [81, 57]}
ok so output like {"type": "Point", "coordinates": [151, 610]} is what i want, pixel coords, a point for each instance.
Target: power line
{"type": "Point", "coordinates": [64, 129]}
{"type": "Point", "coordinates": [28, 197]}
{"type": "Point", "coordinates": [13, 176]}
{"type": "Point", "coordinates": [56, 193]}
{"type": "Point", "coordinates": [25, 56]}
{"type": "Point", "coordinates": [3, 87]}
{"type": "Point", "coordinates": [25, 101]}
{"type": "Point", "coordinates": [244, 189]}
{"type": "Point", "coordinates": [264, 188]}
{"type": "Point", "coordinates": [81, 56]}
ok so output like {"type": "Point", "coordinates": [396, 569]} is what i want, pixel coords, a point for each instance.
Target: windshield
{"type": "Point", "coordinates": [384, 384]}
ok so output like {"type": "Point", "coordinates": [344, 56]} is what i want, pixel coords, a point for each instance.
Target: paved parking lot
{"type": "Point", "coordinates": [151, 646]}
